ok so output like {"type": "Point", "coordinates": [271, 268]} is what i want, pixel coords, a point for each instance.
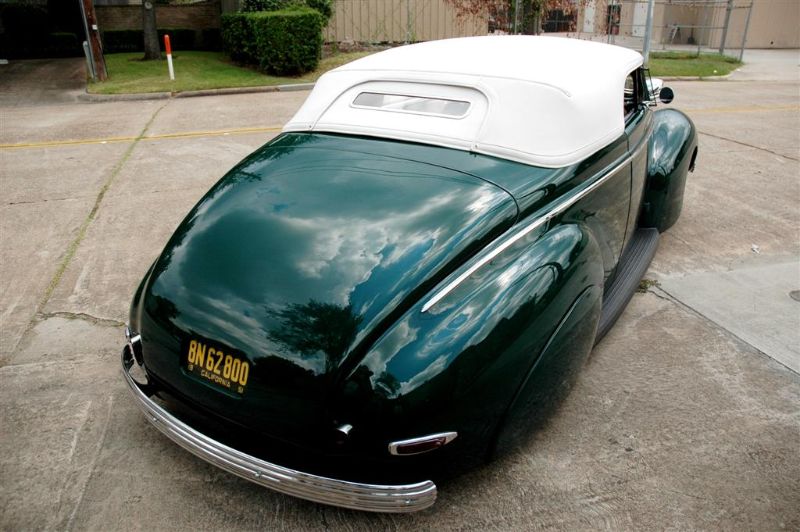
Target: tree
{"type": "Point", "coordinates": [501, 12]}
{"type": "Point", "coordinates": [150, 31]}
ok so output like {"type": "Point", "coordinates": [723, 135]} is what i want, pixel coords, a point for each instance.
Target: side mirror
{"type": "Point", "coordinates": [665, 95]}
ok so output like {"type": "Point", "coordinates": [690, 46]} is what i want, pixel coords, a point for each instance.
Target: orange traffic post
{"type": "Point", "coordinates": [169, 57]}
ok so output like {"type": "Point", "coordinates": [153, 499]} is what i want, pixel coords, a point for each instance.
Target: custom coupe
{"type": "Point", "coordinates": [406, 279]}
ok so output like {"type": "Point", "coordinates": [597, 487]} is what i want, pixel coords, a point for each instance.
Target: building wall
{"type": "Point", "coordinates": [773, 23]}
{"type": "Point", "coordinates": [352, 20]}
{"type": "Point", "coordinates": [189, 16]}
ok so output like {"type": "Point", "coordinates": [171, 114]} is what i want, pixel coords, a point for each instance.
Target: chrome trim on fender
{"type": "Point", "coordinates": [446, 436]}
{"type": "Point", "coordinates": [504, 243]}
{"type": "Point", "coordinates": [354, 495]}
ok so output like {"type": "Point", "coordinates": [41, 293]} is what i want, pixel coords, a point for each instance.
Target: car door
{"type": "Point", "coordinates": [638, 125]}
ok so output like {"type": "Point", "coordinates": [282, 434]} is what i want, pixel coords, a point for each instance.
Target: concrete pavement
{"type": "Point", "coordinates": [679, 419]}
{"type": "Point", "coordinates": [42, 81]}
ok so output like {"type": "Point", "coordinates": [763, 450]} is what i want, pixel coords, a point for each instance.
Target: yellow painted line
{"type": "Point", "coordinates": [113, 140]}
{"type": "Point", "coordinates": [218, 133]}
{"type": "Point", "coordinates": [752, 109]}
{"type": "Point", "coordinates": [270, 129]}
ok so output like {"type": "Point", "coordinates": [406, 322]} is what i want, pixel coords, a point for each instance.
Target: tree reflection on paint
{"type": "Point", "coordinates": [312, 327]}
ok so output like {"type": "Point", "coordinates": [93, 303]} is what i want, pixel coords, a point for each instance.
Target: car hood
{"type": "Point", "coordinates": [301, 256]}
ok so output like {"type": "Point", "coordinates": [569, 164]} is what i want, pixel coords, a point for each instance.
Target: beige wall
{"type": "Point", "coordinates": [399, 21]}
{"type": "Point", "coordinates": [773, 23]}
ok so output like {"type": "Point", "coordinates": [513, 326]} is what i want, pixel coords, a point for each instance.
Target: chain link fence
{"type": "Point", "coordinates": [704, 25]}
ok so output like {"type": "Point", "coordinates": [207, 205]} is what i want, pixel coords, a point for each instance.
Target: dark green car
{"type": "Point", "coordinates": [406, 280]}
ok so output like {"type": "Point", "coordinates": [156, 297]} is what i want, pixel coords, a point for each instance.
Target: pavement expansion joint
{"type": "Point", "coordinates": [94, 320]}
{"type": "Point", "coordinates": [760, 148]}
{"type": "Point", "coordinates": [669, 297]}
{"type": "Point", "coordinates": [73, 246]}
{"type": "Point", "coordinates": [46, 200]}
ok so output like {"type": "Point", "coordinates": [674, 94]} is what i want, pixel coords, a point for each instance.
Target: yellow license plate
{"type": "Point", "coordinates": [217, 364]}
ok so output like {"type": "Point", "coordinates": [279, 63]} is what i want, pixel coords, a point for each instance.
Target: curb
{"type": "Point", "coordinates": [699, 78]}
{"type": "Point", "coordinates": [89, 97]}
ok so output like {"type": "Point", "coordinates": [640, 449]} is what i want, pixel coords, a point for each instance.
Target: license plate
{"type": "Point", "coordinates": [217, 364]}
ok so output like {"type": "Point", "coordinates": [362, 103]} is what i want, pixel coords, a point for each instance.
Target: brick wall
{"type": "Point", "coordinates": [189, 16]}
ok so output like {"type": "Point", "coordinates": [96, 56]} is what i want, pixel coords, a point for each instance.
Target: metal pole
{"type": "Point", "coordinates": [408, 21]}
{"type": "Point", "coordinates": [89, 64]}
{"type": "Point", "coordinates": [746, 27]}
{"type": "Point", "coordinates": [728, 10]}
{"type": "Point", "coordinates": [705, 29]}
{"type": "Point", "coordinates": [648, 32]}
{"type": "Point", "coordinates": [93, 36]}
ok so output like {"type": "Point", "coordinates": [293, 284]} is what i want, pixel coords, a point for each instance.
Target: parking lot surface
{"type": "Point", "coordinates": [686, 416]}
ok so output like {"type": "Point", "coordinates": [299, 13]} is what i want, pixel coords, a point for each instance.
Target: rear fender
{"type": "Point", "coordinates": [460, 364]}
{"type": "Point", "coordinates": [672, 151]}
{"type": "Point", "coordinates": [550, 379]}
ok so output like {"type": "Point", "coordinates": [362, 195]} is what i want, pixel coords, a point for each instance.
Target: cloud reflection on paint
{"type": "Point", "coordinates": [324, 230]}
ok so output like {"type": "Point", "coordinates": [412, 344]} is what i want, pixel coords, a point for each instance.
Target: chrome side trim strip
{"type": "Point", "coordinates": [446, 436]}
{"type": "Point", "coordinates": [400, 498]}
{"type": "Point", "coordinates": [505, 243]}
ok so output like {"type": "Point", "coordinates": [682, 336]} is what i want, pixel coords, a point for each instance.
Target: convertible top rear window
{"type": "Point", "coordinates": [412, 104]}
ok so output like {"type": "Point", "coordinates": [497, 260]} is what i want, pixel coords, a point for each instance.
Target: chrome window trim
{"type": "Point", "coordinates": [401, 498]}
{"type": "Point", "coordinates": [505, 242]}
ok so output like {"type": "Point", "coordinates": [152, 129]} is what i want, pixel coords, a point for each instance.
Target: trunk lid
{"type": "Point", "coordinates": [295, 262]}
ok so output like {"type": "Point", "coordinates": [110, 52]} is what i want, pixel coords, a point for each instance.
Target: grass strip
{"type": "Point", "coordinates": [690, 64]}
{"type": "Point", "coordinates": [194, 70]}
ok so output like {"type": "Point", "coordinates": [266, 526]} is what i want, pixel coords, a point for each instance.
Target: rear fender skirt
{"type": "Point", "coordinates": [469, 353]}
{"type": "Point", "coordinates": [672, 152]}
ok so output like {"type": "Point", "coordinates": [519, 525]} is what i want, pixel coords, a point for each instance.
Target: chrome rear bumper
{"type": "Point", "coordinates": [358, 496]}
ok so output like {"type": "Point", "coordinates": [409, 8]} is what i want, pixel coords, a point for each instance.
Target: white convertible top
{"type": "Point", "coordinates": [544, 101]}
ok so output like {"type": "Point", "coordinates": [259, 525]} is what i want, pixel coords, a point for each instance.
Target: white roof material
{"type": "Point", "coordinates": [544, 101]}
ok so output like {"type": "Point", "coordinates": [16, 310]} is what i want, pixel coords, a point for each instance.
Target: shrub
{"type": "Point", "coordinates": [179, 38]}
{"type": "Point", "coordinates": [253, 6]}
{"type": "Point", "coordinates": [237, 37]}
{"type": "Point", "coordinates": [280, 42]}
{"type": "Point", "coordinates": [287, 42]}
{"type": "Point", "coordinates": [116, 41]}
{"type": "Point", "coordinates": [325, 7]}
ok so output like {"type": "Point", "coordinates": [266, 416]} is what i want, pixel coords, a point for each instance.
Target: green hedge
{"type": "Point", "coordinates": [115, 41]}
{"type": "Point", "coordinates": [237, 37]}
{"type": "Point", "coordinates": [283, 43]}
{"type": "Point", "coordinates": [325, 7]}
